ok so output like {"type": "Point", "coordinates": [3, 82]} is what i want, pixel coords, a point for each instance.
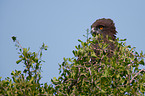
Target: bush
{"type": "Point", "coordinates": [80, 75]}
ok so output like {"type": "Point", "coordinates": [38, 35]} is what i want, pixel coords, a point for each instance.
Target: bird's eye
{"type": "Point", "coordinates": [101, 27]}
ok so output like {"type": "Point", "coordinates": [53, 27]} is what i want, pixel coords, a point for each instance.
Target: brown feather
{"type": "Point", "coordinates": [108, 29]}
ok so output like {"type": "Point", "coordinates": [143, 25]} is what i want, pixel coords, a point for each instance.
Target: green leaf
{"type": "Point", "coordinates": [12, 73]}
{"type": "Point", "coordinates": [41, 54]}
{"type": "Point", "coordinates": [142, 62]}
{"type": "Point", "coordinates": [123, 39]}
{"type": "Point", "coordinates": [93, 54]}
{"type": "Point", "coordinates": [14, 38]}
{"type": "Point", "coordinates": [25, 51]}
{"type": "Point", "coordinates": [79, 40]}
{"type": "Point", "coordinates": [18, 61]}
{"type": "Point", "coordinates": [32, 79]}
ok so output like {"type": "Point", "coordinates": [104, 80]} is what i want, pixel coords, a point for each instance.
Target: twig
{"type": "Point", "coordinates": [136, 75]}
{"type": "Point", "coordinates": [19, 44]}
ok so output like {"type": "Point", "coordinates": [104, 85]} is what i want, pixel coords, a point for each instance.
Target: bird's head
{"type": "Point", "coordinates": [105, 27]}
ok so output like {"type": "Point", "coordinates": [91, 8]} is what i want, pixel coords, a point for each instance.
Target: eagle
{"type": "Point", "coordinates": [104, 27]}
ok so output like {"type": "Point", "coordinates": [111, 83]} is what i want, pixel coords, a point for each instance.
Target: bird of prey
{"type": "Point", "coordinates": [104, 27]}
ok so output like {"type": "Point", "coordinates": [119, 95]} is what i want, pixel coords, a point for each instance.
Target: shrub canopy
{"type": "Point", "coordinates": [87, 73]}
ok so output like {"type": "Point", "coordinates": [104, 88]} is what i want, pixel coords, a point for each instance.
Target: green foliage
{"type": "Point", "coordinates": [80, 75]}
{"type": "Point", "coordinates": [116, 75]}
{"type": "Point", "coordinates": [28, 81]}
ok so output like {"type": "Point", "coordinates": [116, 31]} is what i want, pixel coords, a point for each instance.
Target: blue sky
{"type": "Point", "coordinates": [59, 24]}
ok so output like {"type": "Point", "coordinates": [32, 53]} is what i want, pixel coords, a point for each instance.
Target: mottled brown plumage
{"type": "Point", "coordinates": [105, 27]}
{"type": "Point", "coordinates": [108, 27]}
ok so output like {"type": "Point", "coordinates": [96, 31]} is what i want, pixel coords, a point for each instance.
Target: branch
{"type": "Point", "coordinates": [136, 75]}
